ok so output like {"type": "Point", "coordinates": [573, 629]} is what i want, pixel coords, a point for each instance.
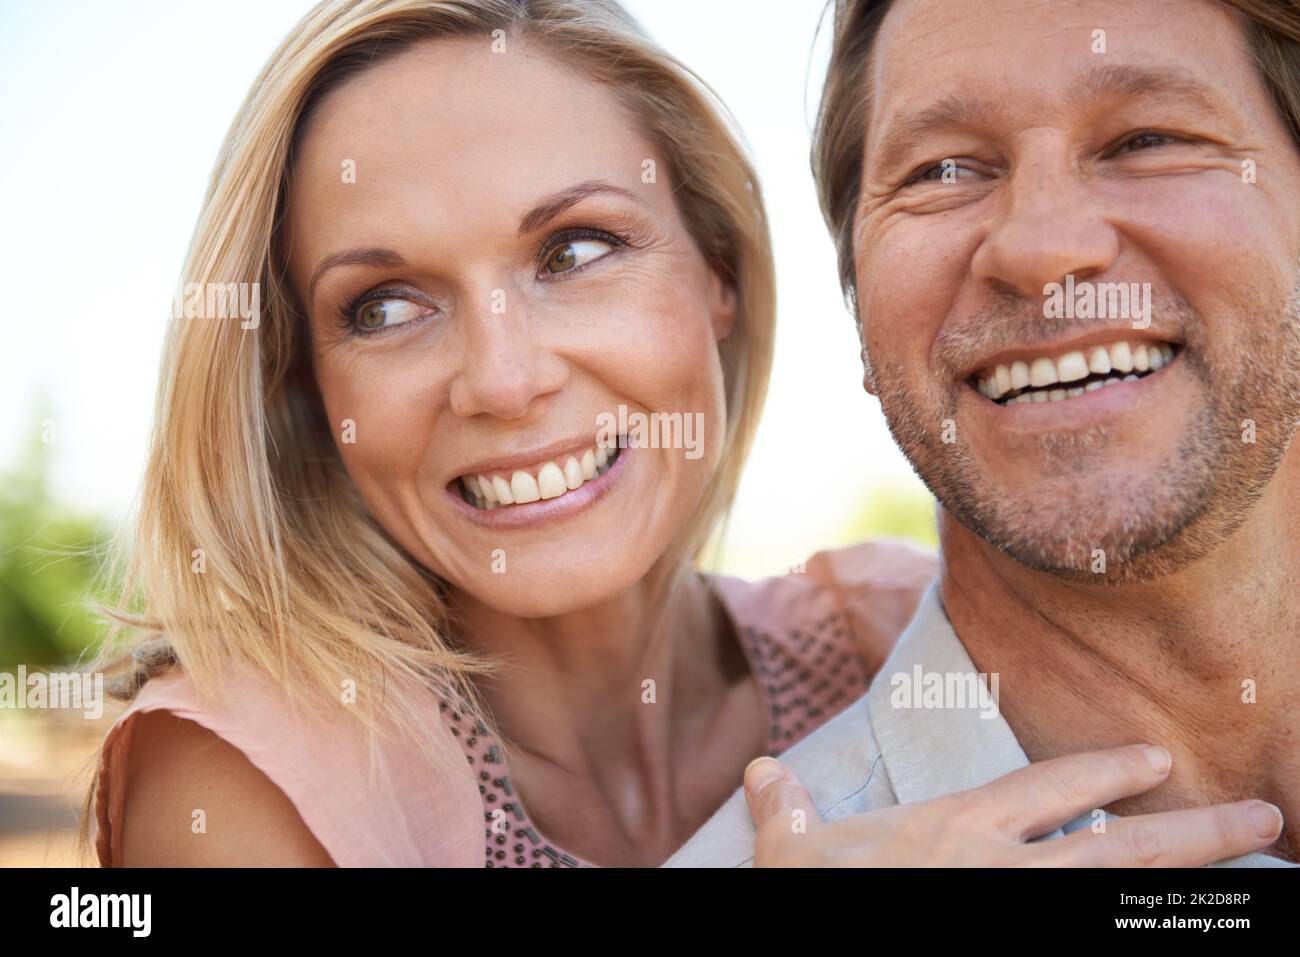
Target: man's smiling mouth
{"type": "Point", "coordinates": [553, 478]}
{"type": "Point", "coordinates": [1055, 378]}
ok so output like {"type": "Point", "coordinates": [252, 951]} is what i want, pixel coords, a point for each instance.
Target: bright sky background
{"type": "Point", "coordinates": [112, 118]}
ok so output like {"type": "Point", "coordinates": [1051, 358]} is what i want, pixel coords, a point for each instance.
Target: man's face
{"type": "Point", "coordinates": [1011, 145]}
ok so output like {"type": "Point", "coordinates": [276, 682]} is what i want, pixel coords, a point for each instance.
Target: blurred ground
{"type": "Point", "coordinates": [46, 759]}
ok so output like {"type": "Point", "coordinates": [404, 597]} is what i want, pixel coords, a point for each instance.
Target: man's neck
{"type": "Point", "coordinates": [1202, 662]}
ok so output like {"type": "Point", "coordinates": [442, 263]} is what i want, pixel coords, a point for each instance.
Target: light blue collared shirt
{"type": "Point", "coordinates": [874, 755]}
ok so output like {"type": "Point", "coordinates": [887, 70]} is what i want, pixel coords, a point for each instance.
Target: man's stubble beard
{"type": "Point", "coordinates": [1146, 526]}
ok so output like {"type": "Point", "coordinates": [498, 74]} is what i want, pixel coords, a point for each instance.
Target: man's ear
{"type": "Point", "coordinates": [722, 304]}
{"type": "Point", "coordinates": [868, 373]}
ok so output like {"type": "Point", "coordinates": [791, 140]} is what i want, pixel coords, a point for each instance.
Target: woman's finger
{"type": "Point", "coordinates": [1035, 800]}
{"type": "Point", "coordinates": [1190, 838]}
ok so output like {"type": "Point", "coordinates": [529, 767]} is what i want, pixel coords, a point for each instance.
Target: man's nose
{"type": "Point", "coordinates": [1049, 226]}
{"type": "Point", "coordinates": [504, 368]}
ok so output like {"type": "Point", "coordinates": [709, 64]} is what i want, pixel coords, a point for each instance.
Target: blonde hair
{"type": "Point", "coordinates": [299, 583]}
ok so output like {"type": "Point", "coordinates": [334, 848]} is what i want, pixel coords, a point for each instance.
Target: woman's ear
{"type": "Point", "coordinates": [722, 305]}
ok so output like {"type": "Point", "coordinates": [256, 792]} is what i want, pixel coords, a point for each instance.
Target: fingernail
{"type": "Point", "coordinates": [1266, 819]}
{"type": "Point", "coordinates": [1159, 759]}
{"type": "Point", "coordinates": [760, 772]}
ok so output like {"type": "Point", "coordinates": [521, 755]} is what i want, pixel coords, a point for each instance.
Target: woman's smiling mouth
{"type": "Point", "coordinates": [557, 486]}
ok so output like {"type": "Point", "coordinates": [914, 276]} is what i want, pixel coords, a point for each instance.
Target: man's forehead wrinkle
{"type": "Point", "coordinates": [932, 32]}
{"type": "Point", "coordinates": [933, 23]}
{"type": "Point", "coordinates": [894, 133]}
{"type": "Point", "coordinates": [1133, 80]}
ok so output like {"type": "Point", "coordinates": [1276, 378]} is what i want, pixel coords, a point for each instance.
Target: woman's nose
{"type": "Point", "coordinates": [504, 367]}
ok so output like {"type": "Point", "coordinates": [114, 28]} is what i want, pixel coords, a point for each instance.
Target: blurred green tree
{"type": "Point", "coordinates": [49, 560]}
{"type": "Point", "coordinates": [894, 511]}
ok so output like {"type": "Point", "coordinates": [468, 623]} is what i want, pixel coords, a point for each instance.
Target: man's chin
{"type": "Point", "coordinates": [1098, 536]}
{"type": "Point", "coordinates": [1111, 561]}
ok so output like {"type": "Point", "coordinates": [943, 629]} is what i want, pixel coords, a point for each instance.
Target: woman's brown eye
{"type": "Point", "coordinates": [568, 256]}
{"type": "Point", "coordinates": [562, 260]}
{"type": "Point", "coordinates": [384, 313]}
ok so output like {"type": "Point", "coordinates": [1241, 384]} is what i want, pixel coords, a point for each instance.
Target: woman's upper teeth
{"type": "Point", "coordinates": [551, 480]}
{"type": "Point", "coordinates": [1120, 357]}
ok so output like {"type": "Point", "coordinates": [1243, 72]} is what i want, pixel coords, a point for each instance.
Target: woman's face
{"type": "Point", "coordinates": [487, 272]}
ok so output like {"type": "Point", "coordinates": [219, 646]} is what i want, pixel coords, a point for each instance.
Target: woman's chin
{"type": "Point", "coordinates": [548, 586]}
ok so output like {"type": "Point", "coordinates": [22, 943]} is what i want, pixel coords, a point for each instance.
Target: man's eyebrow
{"type": "Point", "coordinates": [1129, 80]}
{"type": "Point", "coordinates": [955, 109]}
{"type": "Point", "coordinates": [554, 205]}
{"type": "Point", "coordinates": [1113, 81]}
{"type": "Point", "coordinates": [383, 258]}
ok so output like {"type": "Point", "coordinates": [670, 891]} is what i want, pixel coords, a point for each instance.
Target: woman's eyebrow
{"type": "Point", "coordinates": [554, 205]}
{"type": "Point", "coordinates": [534, 219]}
{"type": "Point", "coordinates": [384, 258]}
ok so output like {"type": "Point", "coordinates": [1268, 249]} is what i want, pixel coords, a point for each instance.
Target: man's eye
{"type": "Point", "coordinates": [571, 255]}
{"type": "Point", "coordinates": [945, 171]}
{"type": "Point", "coordinates": [385, 313]}
{"type": "Point", "coordinates": [1145, 141]}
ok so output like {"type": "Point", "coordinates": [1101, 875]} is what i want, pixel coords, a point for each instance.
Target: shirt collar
{"type": "Point", "coordinates": [931, 751]}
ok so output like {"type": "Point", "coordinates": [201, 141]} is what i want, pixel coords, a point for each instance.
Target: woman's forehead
{"type": "Point", "coordinates": [459, 131]}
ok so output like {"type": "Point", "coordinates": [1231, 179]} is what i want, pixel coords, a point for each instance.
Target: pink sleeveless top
{"type": "Point", "coordinates": [813, 640]}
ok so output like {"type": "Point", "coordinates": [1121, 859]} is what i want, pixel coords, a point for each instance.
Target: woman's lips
{"type": "Point", "coordinates": [520, 515]}
{"type": "Point", "coordinates": [545, 479]}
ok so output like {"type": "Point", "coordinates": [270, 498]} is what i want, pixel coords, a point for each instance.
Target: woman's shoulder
{"type": "Point", "coordinates": [872, 587]}
{"type": "Point", "coordinates": [192, 799]}
{"type": "Point", "coordinates": [879, 586]}
{"type": "Point", "coordinates": [367, 800]}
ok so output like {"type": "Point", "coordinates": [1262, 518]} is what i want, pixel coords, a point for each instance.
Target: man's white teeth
{"type": "Point", "coordinates": [1071, 366]}
{"type": "Point", "coordinates": [1099, 360]}
{"type": "Point", "coordinates": [1056, 395]}
{"type": "Point", "coordinates": [553, 479]}
{"type": "Point", "coordinates": [1042, 372]}
{"type": "Point", "coordinates": [1019, 374]}
{"type": "Point", "coordinates": [1119, 357]}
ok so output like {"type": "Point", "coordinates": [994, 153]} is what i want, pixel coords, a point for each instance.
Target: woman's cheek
{"type": "Point", "coordinates": [381, 419]}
